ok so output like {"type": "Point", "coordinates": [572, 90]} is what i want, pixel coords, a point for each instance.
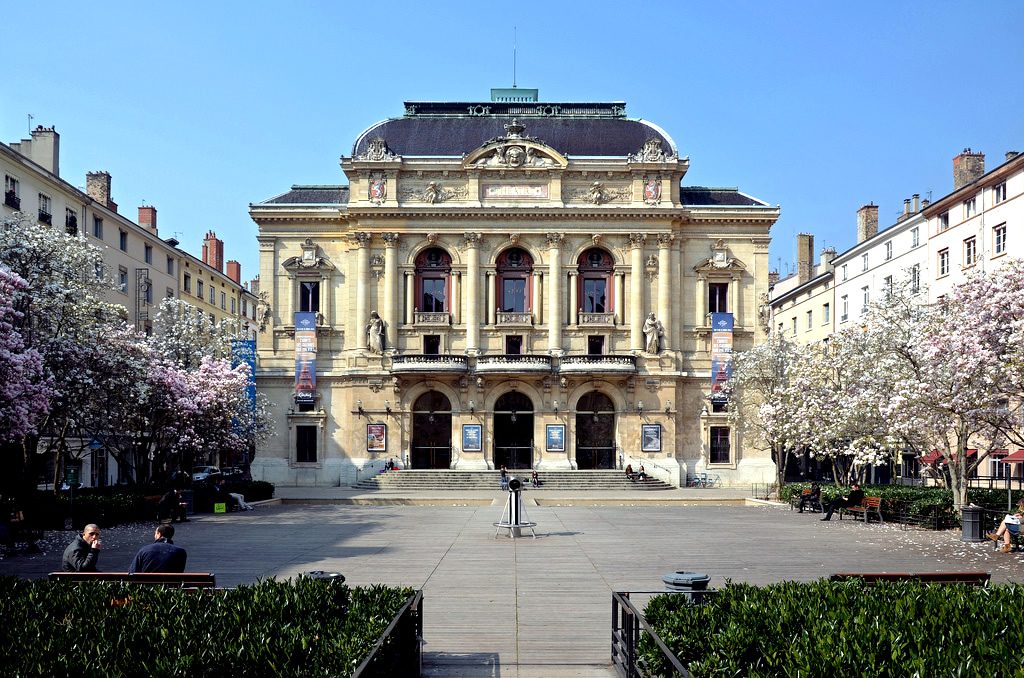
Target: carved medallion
{"type": "Point", "coordinates": [378, 190]}
{"type": "Point", "coordinates": [652, 151]}
{"type": "Point", "coordinates": [652, 190]}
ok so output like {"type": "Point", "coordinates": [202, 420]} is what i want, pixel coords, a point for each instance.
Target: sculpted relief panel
{"type": "Point", "coordinates": [432, 191]}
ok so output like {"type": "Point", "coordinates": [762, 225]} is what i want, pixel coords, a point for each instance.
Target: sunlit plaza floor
{"type": "Point", "coordinates": [534, 607]}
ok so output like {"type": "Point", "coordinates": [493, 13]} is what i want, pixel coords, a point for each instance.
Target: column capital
{"type": "Point", "coordinates": [637, 239]}
{"type": "Point", "coordinates": [472, 239]}
{"type": "Point", "coordinates": [554, 239]}
{"type": "Point", "coordinates": [390, 239]}
{"type": "Point", "coordinates": [362, 238]}
{"type": "Point", "coordinates": [665, 240]}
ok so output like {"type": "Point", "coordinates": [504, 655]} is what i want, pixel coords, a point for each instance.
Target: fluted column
{"type": "Point", "coordinates": [538, 298]}
{"type": "Point", "coordinates": [665, 279]}
{"type": "Point", "coordinates": [410, 297]}
{"type": "Point", "coordinates": [636, 291]}
{"type": "Point", "coordinates": [472, 293]}
{"type": "Point", "coordinates": [456, 297]}
{"type": "Point", "coordinates": [362, 316]}
{"type": "Point", "coordinates": [734, 300]}
{"type": "Point", "coordinates": [702, 300]}
{"type": "Point", "coordinates": [620, 297]}
{"type": "Point", "coordinates": [492, 310]}
{"type": "Point", "coordinates": [677, 274]}
{"type": "Point", "coordinates": [390, 313]}
{"type": "Point", "coordinates": [574, 298]}
{"type": "Point", "coordinates": [554, 293]}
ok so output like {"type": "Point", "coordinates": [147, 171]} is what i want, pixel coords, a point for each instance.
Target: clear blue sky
{"type": "Point", "coordinates": [821, 107]}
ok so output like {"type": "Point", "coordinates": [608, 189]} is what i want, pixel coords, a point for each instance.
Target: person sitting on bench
{"type": "Point", "coordinates": [170, 507]}
{"type": "Point", "coordinates": [1008, 529]}
{"type": "Point", "coordinates": [855, 498]}
{"type": "Point", "coordinates": [160, 556]}
{"type": "Point", "coordinates": [813, 498]}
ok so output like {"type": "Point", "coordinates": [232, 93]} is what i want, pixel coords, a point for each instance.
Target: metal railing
{"type": "Point", "coordinates": [627, 623]}
{"type": "Point", "coordinates": [399, 650]}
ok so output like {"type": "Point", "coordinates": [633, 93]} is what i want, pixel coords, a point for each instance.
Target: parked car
{"type": "Point", "coordinates": [236, 473]}
{"type": "Point", "coordinates": [203, 473]}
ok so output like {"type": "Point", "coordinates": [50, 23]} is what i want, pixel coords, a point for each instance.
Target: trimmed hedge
{"type": "Point", "coordinates": [304, 627]}
{"type": "Point", "coordinates": [830, 629]}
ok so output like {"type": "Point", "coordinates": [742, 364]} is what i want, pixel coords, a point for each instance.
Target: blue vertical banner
{"type": "Point", "coordinates": [305, 358]}
{"type": "Point", "coordinates": [721, 351]}
{"type": "Point", "coordinates": [243, 351]}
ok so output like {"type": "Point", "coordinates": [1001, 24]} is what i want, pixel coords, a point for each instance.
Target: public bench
{"type": "Point", "coordinates": [17, 531]}
{"type": "Point", "coordinates": [185, 580]}
{"type": "Point", "coordinates": [872, 578]}
{"type": "Point", "coordinates": [867, 506]}
{"type": "Point", "coordinates": [804, 496]}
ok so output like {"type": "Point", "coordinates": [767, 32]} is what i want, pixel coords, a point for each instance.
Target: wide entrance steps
{"type": "Point", "coordinates": [442, 479]}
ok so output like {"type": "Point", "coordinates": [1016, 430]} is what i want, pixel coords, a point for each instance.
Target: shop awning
{"type": "Point", "coordinates": [935, 455]}
{"type": "Point", "coordinates": [1015, 458]}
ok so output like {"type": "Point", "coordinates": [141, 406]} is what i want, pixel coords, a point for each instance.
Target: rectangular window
{"type": "Point", "coordinates": [122, 241]}
{"type": "Point", "coordinates": [187, 284]}
{"type": "Point", "coordinates": [595, 345]}
{"type": "Point", "coordinates": [999, 192]}
{"type": "Point", "coordinates": [719, 405]}
{"type": "Point", "coordinates": [122, 279]}
{"type": "Point", "coordinates": [888, 250]}
{"type": "Point", "coordinates": [887, 286]}
{"type": "Point", "coordinates": [866, 292]}
{"type": "Point", "coordinates": [233, 307]}
{"type": "Point", "coordinates": [170, 293]}
{"type": "Point", "coordinates": [305, 444]}
{"type": "Point", "coordinates": [915, 278]}
{"type": "Point", "coordinates": [943, 262]}
{"type": "Point", "coordinates": [513, 345]}
{"type": "Point", "coordinates": [826, 313]}
{"type": "Point", "coordinates": [199, 289]}
{"type": "Point", "coordinates": [810, 320]}
{"type": "Point", "coordinates": [513, 295]}
{"type": "Point", "coordinates": [999, 236]}
{"type": "Point", "coordinates": [595, 295]}
{"type": "Point", "coordinates": [213, 294]}
{"type": "Point", "coordinates": [432, 344]}
{"type": "Point", "coordinates": [309, 296]}
{"type": "Point", "coordinates": [970, 251]}
{"type": "Point", "coordinates": [845, 307]}
{"type": "Point", "coordinates": [11, 198]}
{"type": "Point", "coordinates": [915, 237]}
{"type": "Point", "coordinates": [147, 253]}
{"type": "Point", "coordinates": [97, 228]}
{"type": "Point", "coordinates": [944, 221]}
{"type": "Point", "coordinates": [223, 301]}
{"type": "Point", "coordinates": [864, 261]}
{"type": "Point", "coordinates": [71, 221]}
{"type": "Point", "coordinates": [45, 209]}
{"type": "Point", "coordinates": [970, 208]}
{"type": "Point", "coordinates": [170, 265]}
{"type": "Point", "coordinates": [434, 297]}
{"type": "Point", "coordinates": [844, 271]}
{"type": "Point", "coordinates": [720, 445]}
{"type": "Point", "coordinates": [718, 298]}
{"type": "Point", "coordinates": [98, 266]}
{"type": "Point", "coordinates": [793, 321]}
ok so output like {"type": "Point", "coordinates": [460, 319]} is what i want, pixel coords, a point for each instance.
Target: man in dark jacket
{"type": "Point", "coordinates": [170, 507]}
{"type": "Point", "coordinates": [160, 556]}
{"type": "Point", "coordinates": [81, 554]}
{"type": "Point", "coordinates": [856, 497]}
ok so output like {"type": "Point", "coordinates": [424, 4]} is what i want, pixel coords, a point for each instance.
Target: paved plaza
{"type": "Point", "coordinates": [534, 607]}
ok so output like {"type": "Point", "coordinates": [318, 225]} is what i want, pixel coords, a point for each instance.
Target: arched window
{"type": "Point", "coordinates": [595, 268]}
{"type": "Point", "coordinates": [433, 273]}
{"type": "Point", "coordinates": [514, 267]}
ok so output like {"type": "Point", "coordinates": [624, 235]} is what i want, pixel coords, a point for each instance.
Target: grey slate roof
{"type": "Point", "coordinates": [722, 197]}
{"type": "Point", "coordinates": [311, 195]}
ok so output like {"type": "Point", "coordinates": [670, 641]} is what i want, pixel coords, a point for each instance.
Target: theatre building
{"type": "Point", "coordinates": [508, 282]}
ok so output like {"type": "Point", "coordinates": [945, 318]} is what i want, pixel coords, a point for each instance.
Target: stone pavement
{"type": "Point", "coordinates": [534, 608]}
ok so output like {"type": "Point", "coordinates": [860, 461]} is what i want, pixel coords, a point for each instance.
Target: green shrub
{"type": "Point", "coordinates": [303, 627]}
{"type": "Point", "coordinates": [828, 628]}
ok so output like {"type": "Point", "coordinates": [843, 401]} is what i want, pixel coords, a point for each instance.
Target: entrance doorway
{"type": "Point", "coordinates": [513, 431]}
{"type": "Point", "coordinates": [431, 431]}
{"type": "Point", "coordinates": [595, 432]}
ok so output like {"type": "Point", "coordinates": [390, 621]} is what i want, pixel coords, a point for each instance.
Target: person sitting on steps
{"type": "Point", "coordinates": [629, 472]}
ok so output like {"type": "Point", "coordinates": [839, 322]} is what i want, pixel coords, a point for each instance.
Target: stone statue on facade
{"type": "Point", "coordinates": [653, 331]}
{"type": "Point", "coordinates": [262, 311]}
{"type": "Point", "coordinates": [375, 334]}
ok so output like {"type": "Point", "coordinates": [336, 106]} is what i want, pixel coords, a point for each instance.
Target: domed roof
{"type": "Point", "coordinates": [455, 129]}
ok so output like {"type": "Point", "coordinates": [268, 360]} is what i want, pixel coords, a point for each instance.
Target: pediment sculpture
{"type": "Point", "coordinates": [515, 150]}
{"type": "Point", "coordinates": [311, 259]}
{"type": "Point", "coordinates": [377, 151]}
{"type": "Point", "coordinates": [720, 260]}
{"type": "Point", "coordinates": [652, 151]}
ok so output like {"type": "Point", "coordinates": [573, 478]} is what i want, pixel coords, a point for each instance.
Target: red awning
{"type": "Point", "coordinates": [1015, 458]}
{"type": "Point", "coordinates": [931, 457]}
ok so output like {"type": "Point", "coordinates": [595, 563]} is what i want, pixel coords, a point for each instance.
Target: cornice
{"type": "Point", "coordinates": [521, 213]}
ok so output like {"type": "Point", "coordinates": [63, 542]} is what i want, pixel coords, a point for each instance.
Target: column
{"type": "Point", "coordinates": [734, 300]}
{"type": "Point", "coordinates": [574, 298]}
{"type": "Point", "coordinates": [456, 297]}
{"type": "Point", "coordinates": [358, 323]}
{"type": "Point", "coordinates": [472, 293]}
{"type": "Point", "coordinates": [390, 312]}
{"type": "Point", "coordinates": [410, 300]}
{"type": "Point", "coordinates": [665, 278]}
{"type": "Point", "coordinates": [620, 297]}
{"type": "Point", "coordinates": [702, 300]}
{"type": "Point", "coordinates": [636, 291]}
{"type": "Point", "coordinates": [677, 274]}
{"type": "Point", "coordinates": [538, 298]}
{"type": "Point", "coordinates": [553, 293]}
{"type": "Point", "coordinates": [492, 310]}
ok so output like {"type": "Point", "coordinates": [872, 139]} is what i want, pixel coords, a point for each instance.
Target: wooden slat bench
{"type": "Point", "coordinates": [867, 506]}
{"type": "Point", "coordinates": [185, 580]}
{"type": "Point", "coordinates": [814, 504]}
{"type": "Point", "coordinates": [871, 578]}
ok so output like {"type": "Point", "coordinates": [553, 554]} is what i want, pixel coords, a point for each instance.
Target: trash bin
{"type": "Point", "coordinates": [323, 574]}
{"type": "Point", "coordinates": [187, 500]}
{"type": "Point", "coordinates": [691, 584]}
{"type": "Point", "coordinates": [971, 522]}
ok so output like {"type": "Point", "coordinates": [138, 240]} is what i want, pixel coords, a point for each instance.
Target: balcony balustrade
{"type": "Point", "coordinates": [45, 218]}
{"type": "Point", "coordinates": [513, 364]}
{"type": "Point", "coordinates": [597, 364]}
{"type": "Point", "coordinates": [429, 363]}
{"type": "Point", "coordinates": [509, 318]}
{"type": "Point", "coordinates": [597, 319]}
{"type": "Point", "coordinates": [12, 200]}
{"type": "Point", "coordinates": [432, 319]}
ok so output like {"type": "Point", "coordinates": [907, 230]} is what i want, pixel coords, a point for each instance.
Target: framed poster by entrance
{"type": "Point", "coordinates": [650, 438]}
{"type": "Point", "coordinates": [555, 437]}
{"type": "Point", "coordinates": [471, 438]}
{"type": "Point", "coordinates": [376, 437]}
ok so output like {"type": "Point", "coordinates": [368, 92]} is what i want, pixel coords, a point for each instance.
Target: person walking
{"type": "Point", "coordinates": [160, 556]}
{"type": "Point", "coordinates": [82, 553]}
{"type": "Point", "coordinates": [855, 497]}
{"type": "Point", "coordinates": [504, 477]}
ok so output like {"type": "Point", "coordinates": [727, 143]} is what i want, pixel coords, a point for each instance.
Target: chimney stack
{"type": "Point", "coordinates": [235, 271]}
{"type": "Point", "coordinates": [804, 257]}
{"type": "Point", "coordinates": [254, 284]}
{"type": "Point", "coordinates": [147, 218]}
{"type": "Point", "coordinates": [213, 251]}
{"type": "Point", "coordinates": [968, 167]}
{"type": "Point", "coordinates": [867, 221]}
{"type": "Point", "coordinates": [97, 185]}
{"type": "Point", "coordinates": [773, 278]}
{"type": "Point", "coordinates": [1010, 155]}
{"type": "Point", "coordinates": [917, 203]}
{"type": "Point", "coordinates": [43, 148]}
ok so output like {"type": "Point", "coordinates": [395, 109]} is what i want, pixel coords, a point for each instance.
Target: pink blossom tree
{"type": "Point", "coordinates": [24, 390]}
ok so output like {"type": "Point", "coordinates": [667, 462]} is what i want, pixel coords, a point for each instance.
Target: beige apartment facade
{"type": "Point", "coordinates": [519, 284]}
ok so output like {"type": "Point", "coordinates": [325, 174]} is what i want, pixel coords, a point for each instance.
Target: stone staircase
{"type": "Point", "coordinates": [446, 480]}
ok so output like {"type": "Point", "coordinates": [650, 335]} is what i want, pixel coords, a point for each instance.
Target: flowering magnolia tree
{"type": "Point", "coordinates": [24, 390]}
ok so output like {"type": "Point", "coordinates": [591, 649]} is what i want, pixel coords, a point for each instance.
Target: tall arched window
{"type": "Point", "coordinates": [433, 275]}
{"type": "Point", "coordinates": [514, 267]}
{"type": "Point", "coordinates": [595, 268]}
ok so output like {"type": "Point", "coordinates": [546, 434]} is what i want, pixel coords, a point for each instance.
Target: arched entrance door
{"type": "Point", "coordinates": [595, 431]}
{"type": "Point", "coordinates": [431, 431]}
{"type": "Point", "coordinates": [513, 431]}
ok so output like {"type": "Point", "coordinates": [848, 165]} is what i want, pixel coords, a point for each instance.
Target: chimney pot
{"type": "Point", "coordinates": [147, 218]}
{"type": "Point", "coordinates": [968, 167]}
{"type": "Point", "coordinates": [867, 222]}
{"type": "Point", "coordinates": [1010, 155]}
{"type": "Point", "coordinates": [917, 203]}
{"type": "Point", "coordinates": [97, 185]}
{"type": "Point", "coordinates": [804, 257]}
{"type": "Point", "coordinates": [235, 271]}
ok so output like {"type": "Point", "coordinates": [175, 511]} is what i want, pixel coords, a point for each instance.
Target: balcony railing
{"type": "Point", "coordinates": [513, 364]}
{"type": "Point", "coordinates": [11, 199]}
{"type": "Point", "coordinates": [597, 319]}
{"type": "Point", "coordinates": [45, 217]}
{"type": "Point", "coordinates": [429, 363]}
{"type": "Point", "coordinates": [600, 364]}
{"type": "Point", "coordinates": [432, 318]}
{"type": "Point", "coordinates": [516, 318]}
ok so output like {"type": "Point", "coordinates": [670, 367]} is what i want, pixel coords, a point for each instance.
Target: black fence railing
{"type": "Point", "coordinates": [12, 200]}
{"type": "Point", "coordinates": [627, 624]}
{"type": "Point", "coordinates": [399, 650]}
